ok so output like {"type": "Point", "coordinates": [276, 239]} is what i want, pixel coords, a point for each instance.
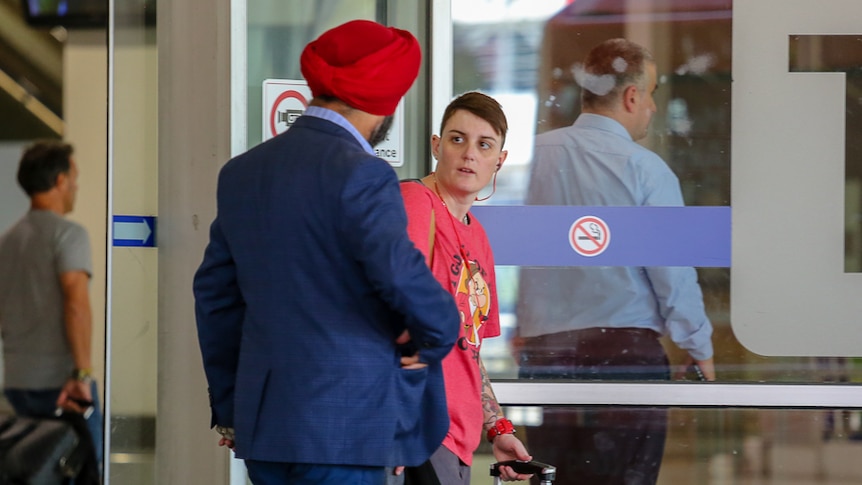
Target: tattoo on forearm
{"type": "Point", "coordinates": [490, 407]}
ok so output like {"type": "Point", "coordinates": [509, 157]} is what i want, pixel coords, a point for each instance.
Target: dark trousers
{"type": "Point", "coordinates": [274, 473]}
{"type": "Point", "coordinates": [602, 445]}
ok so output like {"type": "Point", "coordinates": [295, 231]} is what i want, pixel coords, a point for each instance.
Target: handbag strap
{"type": "Point", "coordinates": [432, 227]}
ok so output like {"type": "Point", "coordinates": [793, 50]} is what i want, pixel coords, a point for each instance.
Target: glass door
{"type": "Point", "coordinates": [528, 55]}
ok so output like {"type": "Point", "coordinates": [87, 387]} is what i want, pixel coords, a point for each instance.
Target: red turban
{"type": "Point", "coordinates": [368, 66]}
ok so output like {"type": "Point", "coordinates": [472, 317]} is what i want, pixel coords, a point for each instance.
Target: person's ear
{"type": "Point", "coordinates": [61, 181]}
{"type": "Point", "coordinates": [435, 146]}
{"type": "Point", "coordinates": [501, 159]}
{"type": "Point", "coordinates": [630, 98]}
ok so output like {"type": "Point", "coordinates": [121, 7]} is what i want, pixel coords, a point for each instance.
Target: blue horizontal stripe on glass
{"type": "Point", "coordinates": [639, 236]}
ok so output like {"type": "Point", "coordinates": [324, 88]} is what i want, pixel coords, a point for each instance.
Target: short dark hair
{"type": "Point", "coordinates": [481, 105]}
{"type": "Point", "coordinates": [41, 163]}
{"type": "Point", "coordinates": [609, 68]}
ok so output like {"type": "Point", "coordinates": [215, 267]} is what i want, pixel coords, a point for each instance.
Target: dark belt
{"type": "Point", "coordinates": [591, 334]}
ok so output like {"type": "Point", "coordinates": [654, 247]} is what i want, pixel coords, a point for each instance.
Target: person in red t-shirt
{"type": "Point", "coordinates": [470, 152]}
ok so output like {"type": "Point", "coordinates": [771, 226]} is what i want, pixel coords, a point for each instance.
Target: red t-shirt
{"type": "Point", "coordinates": [476, 296]}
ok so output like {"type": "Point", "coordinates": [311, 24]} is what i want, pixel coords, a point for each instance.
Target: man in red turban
{"type": "Point", "coordinates": [311, 300]}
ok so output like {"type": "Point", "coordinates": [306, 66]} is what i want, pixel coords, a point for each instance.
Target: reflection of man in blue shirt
{"type": "Point", "coordinates": [603, 323]}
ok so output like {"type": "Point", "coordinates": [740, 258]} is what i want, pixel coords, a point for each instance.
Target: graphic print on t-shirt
{"type": "Point", "coordinates": [473, 290]}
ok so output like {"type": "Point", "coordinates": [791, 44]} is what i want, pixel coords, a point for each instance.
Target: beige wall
{"type": "Point", "coordinates": [85, 89]}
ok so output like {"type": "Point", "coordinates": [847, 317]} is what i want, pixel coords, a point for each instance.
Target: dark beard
{"type": "Point", "coordinates": [379, 134]}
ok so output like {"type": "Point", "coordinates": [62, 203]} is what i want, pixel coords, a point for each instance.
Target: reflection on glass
{"type": "Point", "coordinates": [711, 446]}
{"type": "Point", "coordinates": [526, 61]}
{"type": "Point", "coordinates": [278, 30]}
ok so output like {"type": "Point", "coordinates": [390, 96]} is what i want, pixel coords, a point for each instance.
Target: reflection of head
{"type": "Point", "coordinates": [364, 64]}
{"type": "Point", "coordinates": [40, 165]}
{"type": "Point", "coordinates": [609, 68]}
{"type": "Point", "coordinates": [484, 107]}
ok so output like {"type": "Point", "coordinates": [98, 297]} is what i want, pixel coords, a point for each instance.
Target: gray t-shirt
{"type": "Point", "coordinates": [33, 254]}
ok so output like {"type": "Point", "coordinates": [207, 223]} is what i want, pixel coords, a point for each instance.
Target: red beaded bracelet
{"type": "Point", "coordinates": [501, 426]}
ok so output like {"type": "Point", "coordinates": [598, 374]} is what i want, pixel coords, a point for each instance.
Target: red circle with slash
{"type": "Point", "coordinates": [589, 236]}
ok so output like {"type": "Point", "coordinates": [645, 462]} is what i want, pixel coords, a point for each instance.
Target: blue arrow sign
{"type": "Point", "coordinates": [135, 231]}
{"type": "Point", "coordinates": [623, 236]}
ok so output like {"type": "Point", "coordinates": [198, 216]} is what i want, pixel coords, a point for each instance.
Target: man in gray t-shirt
{"type": "Point", "coordinates": [45, 319]}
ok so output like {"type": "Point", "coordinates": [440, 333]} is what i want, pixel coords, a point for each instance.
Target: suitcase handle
{"type": "Point", "coordinates": [547, 473]}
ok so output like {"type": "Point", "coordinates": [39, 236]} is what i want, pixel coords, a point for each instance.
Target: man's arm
{"type": "Point", "coordinates": [677, 291]}
{"type": "Point", "coordinates": [374, 224]}
{"type": "Point", "coordinates": [78, 324]}
{"type": "Point", "coordinates": [219, 312]}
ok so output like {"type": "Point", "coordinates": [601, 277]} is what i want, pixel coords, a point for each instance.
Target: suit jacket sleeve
{"type": "Point", "coordinates": [219, 311]}
{"type": "Point", "coordinates": [375, 224]}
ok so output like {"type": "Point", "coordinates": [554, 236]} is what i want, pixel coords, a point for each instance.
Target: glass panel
{"type": "Point", "coordinates": [526, 55]}
{"type": "Point", "coordinates": [279, 30]}
{"type": "Point", "coordinates": [277, 33]}
{"type": "Point", "coordinates": [134, 259]}
{"type": "Point", "coordinates": [708, 446]}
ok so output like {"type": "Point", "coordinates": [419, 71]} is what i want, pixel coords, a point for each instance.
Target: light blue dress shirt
{"type": "Point", "coordinates": [329, 115]}
{"type": "Point", "coordinates": [595, 162]}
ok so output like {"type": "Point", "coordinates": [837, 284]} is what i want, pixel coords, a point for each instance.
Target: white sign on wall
{"type": "Point", "coordinates": [284, 100]}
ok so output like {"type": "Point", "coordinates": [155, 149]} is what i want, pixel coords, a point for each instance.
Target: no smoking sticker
{"type": "Point", "coordinates": [589, 236]}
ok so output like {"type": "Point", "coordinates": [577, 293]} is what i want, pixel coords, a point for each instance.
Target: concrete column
{"type": "Point", "coordinates": [194, 142]}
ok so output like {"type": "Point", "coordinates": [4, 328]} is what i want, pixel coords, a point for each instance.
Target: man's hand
{"type": "Point", "coordinates": [409, 361]}
{"type": "Point", "coordinates": [226, 442]}
{"type": "Point", "coordinates": [73, 395]}
{"type": "Point", "coordinates": [707, 368]}
{"type": "Point", "coordinates": [403, 338]}
{"type": "Point", "coordinates": [508, 447]}
{"type": "Point", "coordinates": [227, 436]}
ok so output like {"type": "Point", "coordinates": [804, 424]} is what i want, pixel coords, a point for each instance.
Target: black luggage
{"type": "Point", "coordinates": [37, 451]}
{"type": "Point", "coordinates": [546, 473]}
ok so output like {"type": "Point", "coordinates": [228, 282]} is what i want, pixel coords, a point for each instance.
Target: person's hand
{"type": "Point", "coordinates": [74, 395]}
{"type": "Point", "coordinates": [409, 361]}
{"type": "Point", "coordinates": [508, 447]}
{"type": "Point", "coordinates": [398, 470]}
{"type": "Point", "coordinates": [707, 368]}
{"type": "Point", "coordinates": [226, 442]}
{"type": "Point", "coordinates": [403, 338]}
{"type": "Point", "coordinates": [412, 362]}
{"type": "Point", "coordinates": [228, 435]}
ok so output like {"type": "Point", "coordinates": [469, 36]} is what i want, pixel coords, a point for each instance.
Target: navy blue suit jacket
{"type": "Point", "coordinates": [308, 279]}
